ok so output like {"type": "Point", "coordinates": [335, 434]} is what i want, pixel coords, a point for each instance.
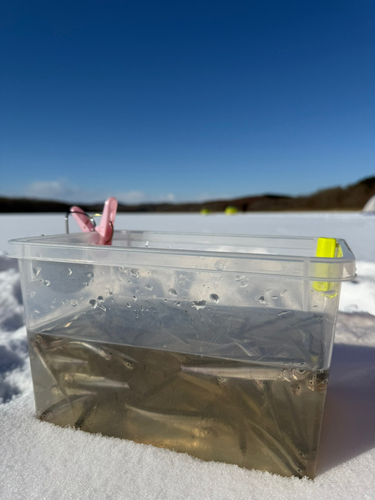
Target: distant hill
{"type": "Point", "coordinates": [352, 197]}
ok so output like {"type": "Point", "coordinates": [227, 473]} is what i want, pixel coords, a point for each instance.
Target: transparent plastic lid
{"type": "Point", "coordinates": [297, 257]}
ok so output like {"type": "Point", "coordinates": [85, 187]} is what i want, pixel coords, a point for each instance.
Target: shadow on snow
{"type": "Point", "coordinates": [348, 423]}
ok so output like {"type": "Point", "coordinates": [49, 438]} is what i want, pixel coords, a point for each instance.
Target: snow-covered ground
{"type": "Point", "coordinates": [39, 460]}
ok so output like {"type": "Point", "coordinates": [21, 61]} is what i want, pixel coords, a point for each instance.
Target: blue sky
{"type": "Point", "coordinates": [185, 100]}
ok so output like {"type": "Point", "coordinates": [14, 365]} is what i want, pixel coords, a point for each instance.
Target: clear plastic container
{"type": "Point", "coordinates": [214, 345]}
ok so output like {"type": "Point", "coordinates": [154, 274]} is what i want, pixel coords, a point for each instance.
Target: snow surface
{"type": "Point", "coordinates": [39, 460]}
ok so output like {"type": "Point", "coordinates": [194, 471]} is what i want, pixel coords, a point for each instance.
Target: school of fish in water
{"type": "Point", "coordinates": [252, 415]}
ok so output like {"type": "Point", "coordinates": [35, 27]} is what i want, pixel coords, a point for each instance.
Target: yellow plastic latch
{"type": "Point", "coordinates": [326, 247]}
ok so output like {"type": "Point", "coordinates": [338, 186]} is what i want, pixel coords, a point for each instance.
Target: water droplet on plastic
{"type": "Point", "coordinates": [46, 283]}
{"type": "Point", "coordinates": [275, 297]}
{"type": "Point", "coordinates": [70, 272]}
{"type": "Point", "coordinates": [147, 244]}
{"type": "Point", "coordinates": [90, 275]}
{"type": "Point", "coordinates": [214, 298]}
{"type": "Point", "coordinates": [37, 271]}
{"type": "Point", "coordinates": [74, 302]}
{"type": "Point", "coordinates": [283, 293]}
{"type": "Point", "coordinates": [135, 298]}
{"type": "Point", "coordinates": [178, 304]}
{"type": "Point", "coordinates": [128, 305]}
{"type": "Point", "coordinates": [134, 273]}
{"type": "Point", "coordinates": [149, 287]}
{"type": "Point", "coordinates": [315, 307]}
{"type": "Point", "coordinates": [261, 299]}
{"type": "Point", "coordinates": [100, 298]}
{"type": "Point", "coordinates": [172, 291]}
{"type": "Point", "coordinates": [201, 304]}
{"type": "Point", "coordinates": [93, 303]}
{"type": "Point", "coordinates": [36, 311]}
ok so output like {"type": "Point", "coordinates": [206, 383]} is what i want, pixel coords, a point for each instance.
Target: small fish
{"type": "Point", "coordinates": [35, 343]}
{"type": "Point", "coordinates": [169, 417]}
{"type": "Point", "coordinates": [76, 391]}
{"type": "Point", "coordinates": [318, 382]}
{"type": "Point", "coordinates": [124, 359]}
{"type": "Point", "coordinates": [67, 360]}
{"type": "Point", "coordinates": [195, 423]}
{"type": "Point", "coordinates": [246, 373]}
{"type": "Point", "coordinates": [266, 449]}
{"type": "Point", "coordinates": [63, 406]}
{"type": "Point", "coordinates": [276, 445]}
{"type": "Point", "coordinates": [240, 372]}
{"type": "Point", "coordinates": [84, 415]}
{"type": "Point", "coordinates": [202, 383]}
{"type": "Point", "coordinates": [87, 346]}
{"type": "Point", "coordinates": [92, 381]}
{"type": "Point", "coordinates": [41, 356]}
{"type": "Point", "coordinates": [78, 344]}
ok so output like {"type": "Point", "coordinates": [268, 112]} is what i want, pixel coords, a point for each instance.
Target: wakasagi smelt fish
{"type": "Point", "coordinates": [243, 372]}
{"type": "Point", "coordinates": [83, 380]}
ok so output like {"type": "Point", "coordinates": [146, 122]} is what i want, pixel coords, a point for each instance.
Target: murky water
{"type": "Point", "coordinates": [253, 415]}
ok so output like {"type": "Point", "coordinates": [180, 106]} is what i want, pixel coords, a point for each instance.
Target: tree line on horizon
{"type": "Point", "coordinates": [352, 197]}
